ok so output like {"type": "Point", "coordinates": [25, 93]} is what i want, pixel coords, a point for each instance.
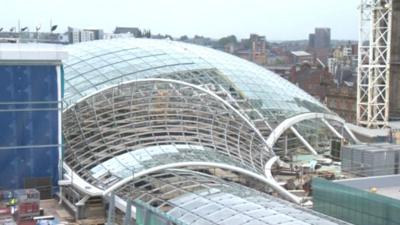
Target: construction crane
{"type": "Point", "coordinates": [373, 89]}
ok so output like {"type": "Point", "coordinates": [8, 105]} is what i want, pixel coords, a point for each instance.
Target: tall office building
{"type": "Point", "coordinates": [311, 40]}
{"type": "Point", "coordinates": [320, 44]}
{"type": "Point", "coordinates": [322, 37]}
{"type": "Point", "coordinates": [30, 116]}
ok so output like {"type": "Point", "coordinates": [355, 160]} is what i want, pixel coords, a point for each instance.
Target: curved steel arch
{"type": "Point", "coordinates": [80, 184]}
{"type": "Point", "coordinates": [193, 197]}
{"type": "Point", "coordinates": [270, 182]}
{"type": "Point", "coordinates": [95, 126]}
{"type": "Point", "coordinates": [286, 124]}
{"type": "Point", "coordinates": [177, 82]}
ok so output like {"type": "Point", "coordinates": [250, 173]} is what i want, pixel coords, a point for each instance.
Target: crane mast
{"type": "Point", "coordinates": [374, 63]}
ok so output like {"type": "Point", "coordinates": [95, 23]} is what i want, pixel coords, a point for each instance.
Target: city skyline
{"type": "Point", "coordinates": [288, 20]}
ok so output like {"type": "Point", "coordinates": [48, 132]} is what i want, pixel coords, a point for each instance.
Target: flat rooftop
{"type": "Point", "coordinates": [374, 147]}
{"type": "Point", "coordinates": [388, 186]}
{"type": "Point", "coordinates": [32, 52]}
{"type": "Point", "coordinates": [300, 53]}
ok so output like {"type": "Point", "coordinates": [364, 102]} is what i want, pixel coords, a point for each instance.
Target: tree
{"type": "Point", "coordinates": [184, 38]}
{"type": "Point", "coordinates": [144, 33]}
{"type": "Point", "coordinates": [227, 40]}
{"type": "Point", "coordinates": [139, 34]}
{"type": "Point", "coordinates": [246, 43]}
{"type": "Point", "coordinates": [169, 37]}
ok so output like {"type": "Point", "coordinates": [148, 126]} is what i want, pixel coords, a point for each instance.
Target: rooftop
{"type": "Point", "coordinates": [300, 53]}
{"type": "Point", "coordinates": [32, 52]}
{"type": "Point", "coordinates": [388, 186]}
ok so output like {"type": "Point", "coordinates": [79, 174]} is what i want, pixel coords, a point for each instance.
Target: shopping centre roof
{"type": "Point", "coordinates": [98, 64]}
{"type": "Point", "coordinates": [135, 107]}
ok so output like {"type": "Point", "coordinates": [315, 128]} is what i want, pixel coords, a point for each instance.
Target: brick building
{"type": "Point", "coordinates": [338, 93]}
{"type": "Point", "coordinates": [311, 79]}
{"type": "Point", "coordinates": [253, 49]}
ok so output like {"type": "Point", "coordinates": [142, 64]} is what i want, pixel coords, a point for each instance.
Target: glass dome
{"type": "Point", "coordinates": [136, 107]}
{"type": "Point", "coordinates": [98, 64]}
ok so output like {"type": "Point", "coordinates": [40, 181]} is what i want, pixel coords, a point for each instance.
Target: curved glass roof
{"type": "Point", "coordinates": [98, 64]}
{"type": "Point", "coordinates": [197, 198]}
{"type": "Point", "coordinates": [147, 123]}
{"type": "Point", "coordinates": [138, 105]}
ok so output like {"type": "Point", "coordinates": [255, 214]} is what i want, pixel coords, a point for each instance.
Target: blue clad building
{"type": "Point", "coordinates": [31, 83]}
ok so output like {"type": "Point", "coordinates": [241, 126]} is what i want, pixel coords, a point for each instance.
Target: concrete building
{"type": "Point", "coordinates": [98, 34]}
{"type": "Point", "coordinates": [30, 116]}
{"type": "Point", "coordinates": [299, 57]}
{"type": "Point", "coordinates": [73, 35]}
{"type": "Point", "coordinates": [86, 36]}
{"type": "Point", "coordinates": [322, 38]}
{"type": "Point", "coordinates": [77, 35]}
{"type": "Point", "coordinates": [320, 44]}
{"type": "Point", "coordinates": [311, 41]}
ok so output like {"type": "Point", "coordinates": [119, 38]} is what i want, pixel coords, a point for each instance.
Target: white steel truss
{"type": "Point", "coordinates": [374, 63]}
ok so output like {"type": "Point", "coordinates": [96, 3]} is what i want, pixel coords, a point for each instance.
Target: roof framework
{"type": "Point", "coordinates": [135, 108]}
{"type": "Point", "coordinates": [117, 130]}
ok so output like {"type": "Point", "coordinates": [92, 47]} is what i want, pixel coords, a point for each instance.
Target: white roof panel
{"type": "Point", "coordinates": [32, 52]}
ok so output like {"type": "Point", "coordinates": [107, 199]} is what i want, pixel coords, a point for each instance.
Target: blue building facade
{"type": "Point", "coordinates": [30, 118]}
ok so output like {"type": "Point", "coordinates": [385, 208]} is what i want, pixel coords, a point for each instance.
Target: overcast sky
{"type": "Point", "coordinates": [276, 19]}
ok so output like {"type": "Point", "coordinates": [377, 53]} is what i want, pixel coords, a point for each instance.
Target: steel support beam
{"type": "Point", "coordinates": [270, 182]}
{"type": "Point", "coordinates": [301, 138]}
{"type": "Point", "coordinates": [286, 124]}
{"type": "Point", "coordinates": [111, 210]}
{"type": "Point", "coordinates": [332, 129]}
{"type": "Point", "coordinates": [128, 212]}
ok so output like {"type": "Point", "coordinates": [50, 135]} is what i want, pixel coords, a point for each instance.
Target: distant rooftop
{"type": "Point", "coordinates": [376, 147]}
{"type": "Point", "coordinates": [300, 53]}
{"type": "Point", "coordinates": [124, 30]}
{"type": "Point", "coordinates": [368, 132]}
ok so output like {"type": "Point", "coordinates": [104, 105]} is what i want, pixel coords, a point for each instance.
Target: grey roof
{"type": "Point", "coordinates": [123, 30]}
